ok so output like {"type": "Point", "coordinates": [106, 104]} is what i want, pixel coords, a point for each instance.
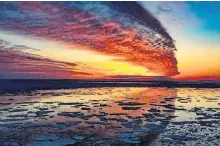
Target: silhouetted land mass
{"type": "Point", "coordinates": [35, 84]}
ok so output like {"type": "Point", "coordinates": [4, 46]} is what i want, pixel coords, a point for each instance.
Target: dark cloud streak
{"type": "Point", "coordinates": [14, 63]}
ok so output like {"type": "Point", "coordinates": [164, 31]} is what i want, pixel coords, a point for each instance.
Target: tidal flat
{"type": "Point", "coordinates": [154, 116]}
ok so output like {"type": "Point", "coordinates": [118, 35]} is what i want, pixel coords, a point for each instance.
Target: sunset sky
{"type": "Point", "coordinates": [110, 40]}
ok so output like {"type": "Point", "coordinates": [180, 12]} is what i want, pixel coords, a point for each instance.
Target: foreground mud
{"type": "Point", "coordinates": [111, 116]}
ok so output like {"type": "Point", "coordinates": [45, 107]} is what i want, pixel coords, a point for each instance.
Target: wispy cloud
{"type": "Point", "coordinates": [14, 62]}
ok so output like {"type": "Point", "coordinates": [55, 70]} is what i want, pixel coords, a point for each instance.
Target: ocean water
{"type": "Point", "coordinates": [111, 116]}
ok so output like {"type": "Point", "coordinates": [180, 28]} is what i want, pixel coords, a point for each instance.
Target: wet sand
{"type": "Point", "coordinates": [111, 116]}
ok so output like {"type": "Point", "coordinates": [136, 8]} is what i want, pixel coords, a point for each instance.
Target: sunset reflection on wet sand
{"type": "Point", "coordinates": [109, 116]}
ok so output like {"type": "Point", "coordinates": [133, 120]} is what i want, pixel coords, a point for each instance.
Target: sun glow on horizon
{"type": "Point", "coordinates": [75, 40]}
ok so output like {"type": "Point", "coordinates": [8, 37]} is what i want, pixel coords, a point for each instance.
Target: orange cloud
{"type": "Point", "coordinates": [136, 42]}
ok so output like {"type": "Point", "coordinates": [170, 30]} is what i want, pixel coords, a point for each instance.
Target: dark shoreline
{"type": "Point", "coordinates": [33, 84]}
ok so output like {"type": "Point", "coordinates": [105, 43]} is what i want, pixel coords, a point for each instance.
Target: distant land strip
{"type": "Point", "coordinates": [40, 84]}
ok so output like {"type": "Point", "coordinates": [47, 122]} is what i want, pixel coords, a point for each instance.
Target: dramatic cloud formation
{"type": "Point", "coordinates": [122, 29]}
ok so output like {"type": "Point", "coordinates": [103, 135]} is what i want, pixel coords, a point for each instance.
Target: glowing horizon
{"type": "Point", "coordinates": [106, 40]}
